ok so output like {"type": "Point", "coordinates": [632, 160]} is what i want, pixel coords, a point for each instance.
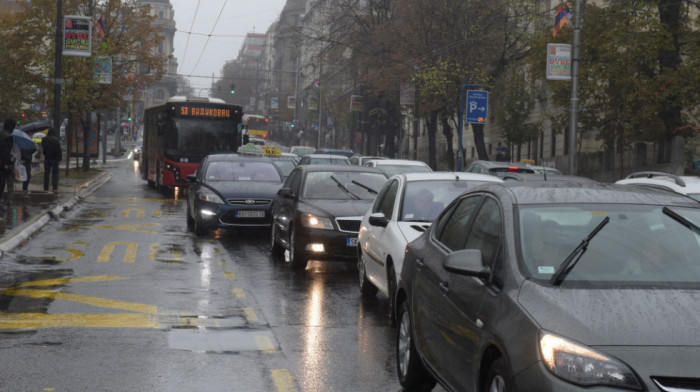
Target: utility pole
{"type": "Point", "coordinates": [573, 117]}
{"type": "Point", "coordinates": [320, 76]}
{"type": "Point", "coordinates": [58, 67]}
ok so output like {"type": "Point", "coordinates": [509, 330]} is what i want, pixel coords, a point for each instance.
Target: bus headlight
{"type": "Point", "coordinates": [207, 195]}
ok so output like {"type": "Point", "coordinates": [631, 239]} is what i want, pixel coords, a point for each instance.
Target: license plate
{"type": "Point", "coordinates": [250, 214]}
{"type": "Point", "coordinates": [351, 241]}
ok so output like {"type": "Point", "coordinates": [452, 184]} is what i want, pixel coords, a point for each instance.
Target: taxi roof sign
{"type": "Point", "coordinates": [268, 150]}
{"type": "Point", "coordinates": [250, 148]}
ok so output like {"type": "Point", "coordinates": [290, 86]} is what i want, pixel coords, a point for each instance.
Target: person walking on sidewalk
{"type": "Point", "coordinates": [6, 163]}
{"type": "Point", "coordinates": [51, 148]}
{"type": "Point", "coordinates": [26, 159]}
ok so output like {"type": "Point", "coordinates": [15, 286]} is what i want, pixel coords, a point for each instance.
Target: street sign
{"type": "Point", "coordinates": [477, 106]}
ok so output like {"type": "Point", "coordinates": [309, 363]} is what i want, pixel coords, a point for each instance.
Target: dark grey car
{"type": "Point", "coordinates": [557, 286]}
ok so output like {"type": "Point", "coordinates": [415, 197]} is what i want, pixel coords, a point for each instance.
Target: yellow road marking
{"type": "Point", "coordinates": [94, 301]}
{"type": "Point", "coordinates": [157, 213]}
{"type": "Point", "coordinates": [60, 281]}
{"type": "Point", "coordinates": [264, 344]}
{"type": "Point", "coordinates": [153, 251]}
{"type": "Point", "coordinates": [238, 293]}
{"type": "Point", "coordinates": [129, 255]}
{"type": "Point", "coordinates": [283, 380]}
{"type": "Point", "coordinates": [63, 320]}
{"type": "Point", "coordinates": [249, 314]}
{"type": "Point", "coordinates": [229, 275]}
{"type": "Point", "coordinates": [136, 227]}
{"type": "Point", "coordinates": [140, 212]}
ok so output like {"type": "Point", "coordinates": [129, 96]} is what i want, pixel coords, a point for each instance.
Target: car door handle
{"type": "Point", "coordinates": [444, 288]}
{"type": "Point", "coordinates": [419, 264]}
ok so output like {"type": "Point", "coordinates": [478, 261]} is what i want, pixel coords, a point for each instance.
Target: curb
{"type": "Point", "coordinates": [27, 229]}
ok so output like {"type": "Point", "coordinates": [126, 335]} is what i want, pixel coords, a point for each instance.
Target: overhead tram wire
{"type": "Point", "coordinates": [189, 33]}
{"type": "Point", "coordinates": [204, 48]}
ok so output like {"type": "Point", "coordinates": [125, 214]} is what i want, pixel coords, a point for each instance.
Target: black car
{"type": "Point", "coordinates": [317, 213]}
{"type": "Point", "coordinates": [553, 286]}
{"type": "Point", "coordinates": [231, 190]}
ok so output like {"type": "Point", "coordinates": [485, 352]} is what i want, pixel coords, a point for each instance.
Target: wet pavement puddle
{"type": "Point", "coordinates": [221, 340]}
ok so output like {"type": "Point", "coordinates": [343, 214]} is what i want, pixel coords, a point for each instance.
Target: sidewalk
{"type": "Point", "coordinates": [28, 213]}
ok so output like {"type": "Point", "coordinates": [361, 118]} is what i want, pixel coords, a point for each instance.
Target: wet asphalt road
{"type": "Point", "coordinates": [117, 295]}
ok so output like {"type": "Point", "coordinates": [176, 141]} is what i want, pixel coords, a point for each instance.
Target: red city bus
{"type": "Point", "coordinates": [180, 132]}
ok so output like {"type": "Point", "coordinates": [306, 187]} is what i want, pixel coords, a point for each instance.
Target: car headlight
{"type": "Point", "coordinates": [207, 195]}
{"type": "Point", "coordinates": [581, 365]}
{"type": "Point", "coordinates": [316, 222]}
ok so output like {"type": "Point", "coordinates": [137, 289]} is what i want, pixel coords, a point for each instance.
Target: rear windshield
{"type": "Point", "coordinates": [501, 171]}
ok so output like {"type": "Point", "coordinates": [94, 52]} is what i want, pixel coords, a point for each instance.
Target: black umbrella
{"type": "Point", "coordinates": [501, 148]}
{"type": "Point", "coordinates": [34, 127]}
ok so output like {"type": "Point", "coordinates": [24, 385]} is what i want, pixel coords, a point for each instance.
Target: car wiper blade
{"type": "Point", "coordinates": [678, 218]}
{"type": "Point", "coordinates": [346, 190]}
{"type": "Point", "coordinates": [568, 264]}
{"type": "Point", "coordinates": [361, 185]}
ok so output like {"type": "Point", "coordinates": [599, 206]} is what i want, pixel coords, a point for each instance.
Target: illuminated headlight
{"type": "Point", "coordinates": [316, 222]}
{"type": "Point", "coordinates": [317, 248]}
{"type": "Point", "coordinates": [207, 213]}
{"type": "Point", "coordinates": [581, 365]}
{"type": "Point", "coordinates": [207, 195]}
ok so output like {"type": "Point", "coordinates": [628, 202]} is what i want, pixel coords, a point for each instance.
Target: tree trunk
{"type": "Point", "coordinates": [669, 59]}
{"type": "Point", "coordinates": [449, 135]}
{"type": "Point", "coordinates": [432, 132]}
{"type": "Point", "coordinates": [478, 130]}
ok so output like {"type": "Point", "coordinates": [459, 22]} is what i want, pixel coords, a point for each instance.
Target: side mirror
{"type": "Point", "coordinates": [467, 262]}
{"type": "Point", "coordinates": [285, 192]}
{"type": "Point", "coordinates": [378, 219]}
{"type": "Point", "coordinates": [192, 178]}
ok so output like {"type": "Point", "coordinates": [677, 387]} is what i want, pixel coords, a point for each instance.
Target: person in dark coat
{"type": "Point", "coordinates": [26, 158]}
{"type": "Point", "coordinates": [6, 164]}
{"type": "Point", "coordinates": [51, 148]}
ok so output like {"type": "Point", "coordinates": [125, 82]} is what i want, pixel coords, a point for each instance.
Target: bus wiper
{"type": "Point", "coordinates": [346, 190]}
{"type": "Point", "coordinates": [675, 216]}
{"type": "Point", "coordinates": [569, 262]}
{"type": "Point", "coordinates": [361, 185]}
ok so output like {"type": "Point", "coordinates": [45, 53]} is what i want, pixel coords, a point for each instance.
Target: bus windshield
{"type": "Point", "coordinates": [190, 140]}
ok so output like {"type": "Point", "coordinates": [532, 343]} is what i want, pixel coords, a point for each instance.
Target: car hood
{"type": "Point", "coordinates": [336, 208]}
{"type": "Point", "coordinates": [619, 317]}
{"type": "Point", "coordinates": [235, 189]}
{"type": "Point", "coordinates": [411, 230]}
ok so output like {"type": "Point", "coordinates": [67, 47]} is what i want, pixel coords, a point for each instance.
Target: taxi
{"type": "Point", "coordinates": [285, 162]}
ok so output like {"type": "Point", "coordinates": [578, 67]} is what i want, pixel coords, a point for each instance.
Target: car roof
{"type": "Point", "coordinates": [680, 184]}
{"type": "Point", "coordinates": [324, 156]}
{"type": "Point", "coordinates": [565, 192]}
{"type": "Point", "coordinates": [541, 177]}
{"type": "Point", "coordinates": [237, 157]}
{"type": "Point", "coordinates": [492, 164]}
{"type": "Point", "coordinates": [445, 175]}
{"type": "Point", "coordinates": [402, 162]}
{"type": "Point", "coordinates": [338, 168]}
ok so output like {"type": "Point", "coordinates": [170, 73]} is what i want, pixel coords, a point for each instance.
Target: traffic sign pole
{"type": "Point", "coordinates": [461, 119]}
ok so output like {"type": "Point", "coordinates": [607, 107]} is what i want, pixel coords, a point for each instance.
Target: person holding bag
{"type": "Point", "coordinates": [6, 163]}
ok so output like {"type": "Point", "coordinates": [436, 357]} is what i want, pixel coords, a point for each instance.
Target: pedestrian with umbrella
{"type": "Point", "coordinates": [27, 147]}
{"type": "Point", "coordinates": [6, 164]}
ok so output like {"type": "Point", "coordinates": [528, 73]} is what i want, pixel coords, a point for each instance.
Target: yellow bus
{"type": "Point", "coordinates": [256, 125]}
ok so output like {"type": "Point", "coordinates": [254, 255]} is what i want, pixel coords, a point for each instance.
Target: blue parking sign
{"type": "Point", "coordinates": [477, 106]}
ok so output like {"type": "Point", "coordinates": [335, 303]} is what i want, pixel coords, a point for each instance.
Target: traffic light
{"type": "Point", "coordinates": [129, 118]}
{"type": "Point", "coordinates": [233, 89]}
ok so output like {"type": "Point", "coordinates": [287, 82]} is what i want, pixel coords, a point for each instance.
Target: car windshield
{"type": "Point", "coordinates": [328, 161]}
{"type": "Point", "coordinates": [285, 165]}
{"type": "Point", "coordinates": [424, 200]}
{"type": "Point", "coordinates": [342, 185]}
{"type": "Point", "coordinates": [241, 171]}
{"type": "Point", "coordinates": [391, 170]}
{"type": "Point", "coordinates": [695, 196]}
{"type": "Point", "coordinates": [639, 246]}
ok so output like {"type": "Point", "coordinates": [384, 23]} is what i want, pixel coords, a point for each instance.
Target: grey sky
{"type": "Point", "coordinates": [200, 57]}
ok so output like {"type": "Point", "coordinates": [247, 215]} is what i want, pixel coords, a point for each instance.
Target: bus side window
{"type": "Point", "coordinates": [161, 128]}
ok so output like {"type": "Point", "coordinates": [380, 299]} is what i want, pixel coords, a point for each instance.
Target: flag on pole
{"type": "Point", "coordinates": [562, 17]}
{"type": "Point", "coordinates": [100, 26]}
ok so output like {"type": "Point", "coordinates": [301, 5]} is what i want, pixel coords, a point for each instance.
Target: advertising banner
{"type": "Point", "coordinates": [274, 103]}
{"type": "Point", "coordinates": [291, 102]}
{"type": "Point", "coordinates": [558, 62]}
{"type": "Point", "coordinates": [77, 35]}
{"type": "Point", "coordinates": [356, 103]}
{"type": "Point", "coordinates": [103, 69]}
{"type": "Point", "coordinates": [407, 95]}
{"type": "Point", "coordinates": [313, 102]}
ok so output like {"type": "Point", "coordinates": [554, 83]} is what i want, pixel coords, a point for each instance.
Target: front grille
{"type": "Point", "coordinates": [246, 202]}
{"type": "Point", "coordinates": [672, 384]}
{"type": "Point", "coordinates": [349, 224]}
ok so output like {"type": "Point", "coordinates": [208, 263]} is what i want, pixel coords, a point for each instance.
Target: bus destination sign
{"type": "Point", "coordinates": [199, 111]}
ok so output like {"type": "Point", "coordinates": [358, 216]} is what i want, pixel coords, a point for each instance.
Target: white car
{"type": "Point", "coordinates": [391, 167]}
{"type": "Point", "coordinates": [686, 185]}
{"type": "Point", "coordinates": [403, 209]}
